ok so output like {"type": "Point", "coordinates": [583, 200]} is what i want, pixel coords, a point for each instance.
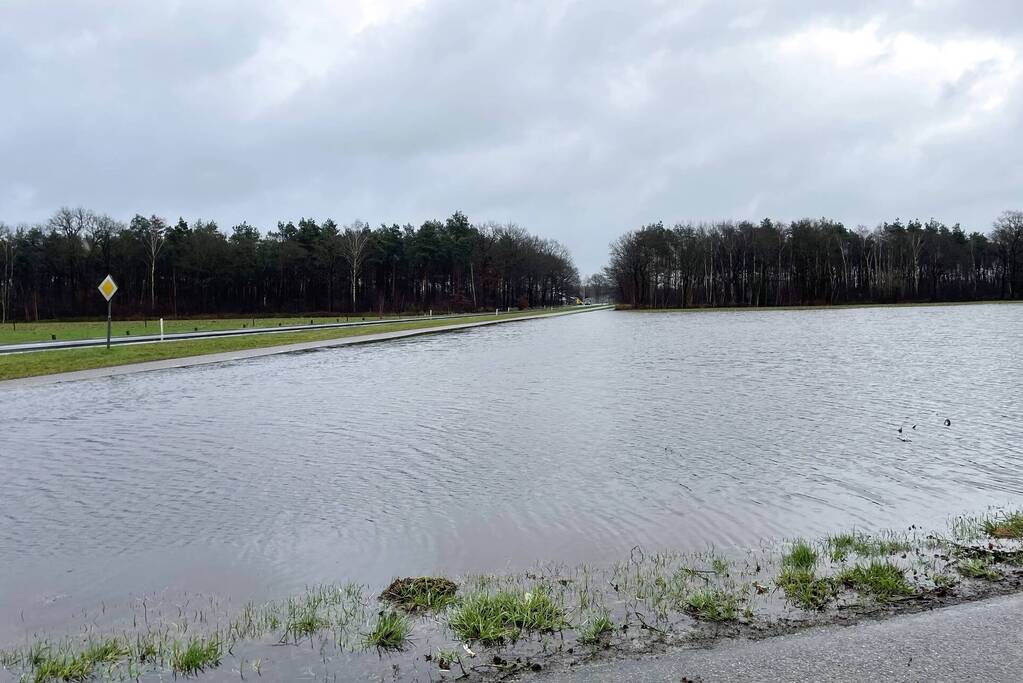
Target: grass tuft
{"type": "Point", "coordinates": [494, 618]}
{"type": "Point", "coordinates": [198, 655]}
{"type": "Point", "coordinates": [1008, 526]}
{"type": "Point", "coordinates": [391, 631]}
{"type": "Point", "coordinates": [801, 556]}
{"type": "Point", "coordinates": [805, 589]}
{"type": "Point", "coordinates": [421, 593]}
{"type": "Point", "coordinates": [713, 605]}
{"type": "Point", "coordinates": [978, 568]}
{"type": "Point", "coordinates": [67, 666]}
{"type": "Point", "coordinates": [883, 580]}
{"type": "Point", "coordinates": [594, 629]}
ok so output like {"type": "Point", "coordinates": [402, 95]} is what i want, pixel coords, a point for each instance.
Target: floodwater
{"type": "Point", "coordinates": [571, 439]}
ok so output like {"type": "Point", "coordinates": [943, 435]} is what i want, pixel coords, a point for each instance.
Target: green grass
{"type": "Point", "coordinates": [68, 666]}
{"type": "Point", "coordinates": [978, 568]}
{"type": "Point", "coordinates": [305, 621]}
{"type": "Point", "coordinates": [713, 605]}
{"type": "Point", "coordinates": [496, 617]}
{"type": "Point", "coordinates": [800, 556]}
{"type": "Point", "coordinates": [595, 627]}
{"type": "Point", "coordinates": [805, 589]}
{"type": "Point", "coordinates": [446, 658]}
{"type": "Point", "coordinates": [842, 545]}
{"type": "Point", "coordinates": [882, 580]}
{"type": "Point", "coordinates": [196, 656]}
{"type": "Point", "coordinates": [106, 651]}
{"type": "Point", "coordinates": [1008, 526]}
{"type": "Point", "coordinates": [432, 593]}
{"type": "Point", "coordinates": [30, 364]}
{"type": "Point", "coordinates": [23, 333]}
{"type": "Point", "coordinates": [391, 631]}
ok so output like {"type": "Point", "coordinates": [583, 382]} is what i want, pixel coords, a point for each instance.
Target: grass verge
{"type": "Point", "coordinates": [73, 330]}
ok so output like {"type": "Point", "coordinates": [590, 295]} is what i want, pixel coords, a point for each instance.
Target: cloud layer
{"type": "Point", "coordinates": [578, 120]}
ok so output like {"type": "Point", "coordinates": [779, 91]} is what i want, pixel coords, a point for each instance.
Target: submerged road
{"type": "Point", "coordinates": [188, 361]}
{"type": "Point", "coordinates": [979, 641]}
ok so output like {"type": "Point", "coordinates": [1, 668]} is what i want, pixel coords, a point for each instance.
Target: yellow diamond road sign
{"type": "Point", "coordinates": [108, 287]}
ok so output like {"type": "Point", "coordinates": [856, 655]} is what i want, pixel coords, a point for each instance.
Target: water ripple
{"type": "Point", "coordinates": [571, 439]}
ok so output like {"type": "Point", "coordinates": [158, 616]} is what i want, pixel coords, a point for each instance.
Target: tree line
{"type": "Point", "coordinates": [813, 261]}
{"type": "Point", "coordinates": [51, 270]}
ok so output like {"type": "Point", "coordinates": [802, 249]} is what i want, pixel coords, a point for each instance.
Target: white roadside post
{"type": "Point", "coordinates": [161, 329]}
{"type": "Point", "coordinates": [108, 288]}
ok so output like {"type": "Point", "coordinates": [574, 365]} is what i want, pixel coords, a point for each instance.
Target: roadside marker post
{"type": "Point", "coordinates": [161, 329]}
{"type": "Point", "coordinates": [108, 288]}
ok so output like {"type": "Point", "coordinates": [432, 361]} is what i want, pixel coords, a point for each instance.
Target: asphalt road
{"type": "Point", "coordinates": [980, 641]}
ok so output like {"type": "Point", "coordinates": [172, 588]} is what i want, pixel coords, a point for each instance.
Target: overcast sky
{"type": "Point", "coordinates": [577, 120]}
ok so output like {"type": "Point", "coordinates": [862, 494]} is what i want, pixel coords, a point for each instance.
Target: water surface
{"type": "Point", "coordinates": [570, 439]}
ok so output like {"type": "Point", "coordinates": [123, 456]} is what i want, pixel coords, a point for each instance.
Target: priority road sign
{"type": "Point", "coordinates": [108, 288]}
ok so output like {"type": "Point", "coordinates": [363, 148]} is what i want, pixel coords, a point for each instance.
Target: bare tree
{"type": "Point", "coordinates": [8, 245]}
{"type": "Point", "coordinates": [1008, 236]}
{"type": "Point", "coordinates": [71, 223]}
{"type": "Point", "coordinates": [354, 248]}
{"type": "Point", "coordinates": [154, 236]}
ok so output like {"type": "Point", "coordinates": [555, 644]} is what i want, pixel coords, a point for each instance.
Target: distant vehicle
{"type": "Point", "coordinates": [587, 302]}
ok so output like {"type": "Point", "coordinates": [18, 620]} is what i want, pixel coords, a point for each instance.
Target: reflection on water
{"type": "Point", "coordinates": [570, 439]}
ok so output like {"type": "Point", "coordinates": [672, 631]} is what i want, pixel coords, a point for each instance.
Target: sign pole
{"type": "Point", "coordinates": [108, 288]}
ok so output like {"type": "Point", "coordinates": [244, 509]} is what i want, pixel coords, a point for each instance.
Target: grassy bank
{"type": "Point", "coordinates": [487, 626]}
{"type": "Point", "coordinates": [23, 333]}
{"type": "Point", "coordinates": [30, 364]}
{"type": "Point", "coordinates": [821, 307]}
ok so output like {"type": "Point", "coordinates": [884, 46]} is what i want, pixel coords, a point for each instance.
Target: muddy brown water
{"type": "Point", "coordinates": [569, 440]}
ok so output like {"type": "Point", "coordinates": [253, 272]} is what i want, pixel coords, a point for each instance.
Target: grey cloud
{"type": "Point", "coordinates": [577, 119]}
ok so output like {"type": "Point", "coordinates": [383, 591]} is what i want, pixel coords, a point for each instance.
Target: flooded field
{"type": "Point", "coordinates": [570, 440]}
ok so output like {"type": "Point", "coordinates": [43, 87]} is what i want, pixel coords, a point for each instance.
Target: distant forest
{"type": "Point", "coordinates": [52, 270]}
{"type": "Point", "coordinates": [813, 261]}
